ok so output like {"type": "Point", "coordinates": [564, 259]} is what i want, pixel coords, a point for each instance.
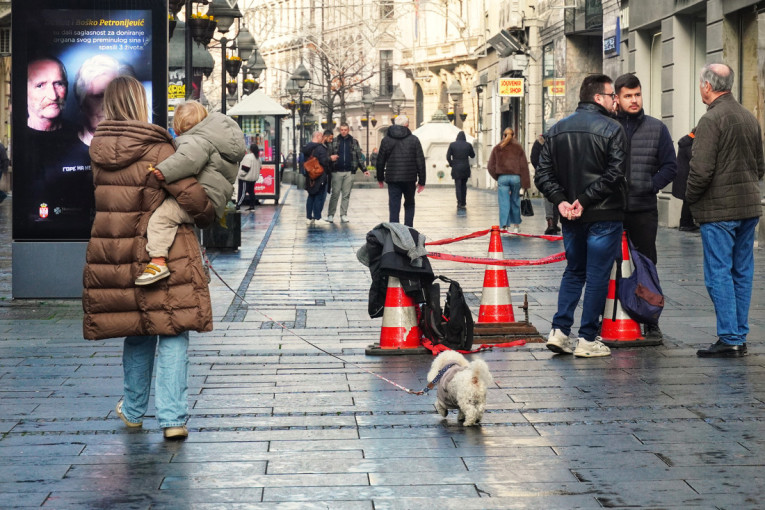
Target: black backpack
{"type": "Point", "coordinates": [454, 326]}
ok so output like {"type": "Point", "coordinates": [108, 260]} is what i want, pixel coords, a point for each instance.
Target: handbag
{"type": "Point", "coordinates": [526, 208]}
{"type": "Point", "coordinates": [640, 294]}
{"type": "Point", "coordinates": [313, 168]}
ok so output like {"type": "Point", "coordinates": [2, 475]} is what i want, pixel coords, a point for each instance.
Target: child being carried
{"type": "Point", "coordinates": [208, 147]}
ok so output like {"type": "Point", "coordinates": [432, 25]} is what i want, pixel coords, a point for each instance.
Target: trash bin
{"type": "Point", "coordinates": [228, 237]}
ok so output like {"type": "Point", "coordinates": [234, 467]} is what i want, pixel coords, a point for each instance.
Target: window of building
{"type": "Point", "coordinates": [386, 9]}
{"type": "Point", "coordinates": [386, 72]}
{"type": "Point", "coordinates": [5, 40]}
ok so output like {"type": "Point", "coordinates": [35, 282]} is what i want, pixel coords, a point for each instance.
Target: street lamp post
{"type": "Point", "coordinates": [293, 106]}
{"type": "Point", "coordinates": [455, 92]}
{"type": "Point", "coordinates": [300, 78]}
{"type": "Point", "coordinates": [368, 101]}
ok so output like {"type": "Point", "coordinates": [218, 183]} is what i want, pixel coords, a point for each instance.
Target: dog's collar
{"type": "Point", "coordinates": [441, 373]}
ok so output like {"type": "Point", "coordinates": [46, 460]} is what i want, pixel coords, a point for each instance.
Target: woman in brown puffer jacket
{"type": "Point", "coordinates": [510, 168]}
{"type": "Point", "coordinates": [156, 317]}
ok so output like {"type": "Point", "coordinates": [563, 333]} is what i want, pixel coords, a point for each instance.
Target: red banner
{"type": "Point", "coordinates": [558, 257]}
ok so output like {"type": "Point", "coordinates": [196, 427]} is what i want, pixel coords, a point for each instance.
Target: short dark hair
{"type": "Point", "coordinates": [328, 132]}
{"type": "Point", "coordinates": [628, 80]}
{"type": "Point", "coordinates": [593, 84]}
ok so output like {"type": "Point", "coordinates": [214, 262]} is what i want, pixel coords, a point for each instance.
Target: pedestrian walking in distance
{"type": "Point", "coordinates": [458, 156]}
{"type": "Point", "coordinates": [724, 194]}
{"type": "Point", "coordinates": [510, 168]}
{"type": "Point", "coordinates": [316, 188]}
{"type": "Point", "coordinates": [349, 159]}
{"type": "Point", "coordinates": [401, 164]}
{"type": "Point", "coordinates": [582, 171]}
{"type": "Point", "coordinates": [652, 165]}
{"type": "Point", "coordinates": [551, 212]}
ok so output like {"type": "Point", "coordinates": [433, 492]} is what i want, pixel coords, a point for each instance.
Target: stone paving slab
{"type": "Point", "coordinates": [277, 424]}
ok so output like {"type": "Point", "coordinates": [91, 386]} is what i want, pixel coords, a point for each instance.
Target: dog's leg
{"type": "Point", "coordinates": [442, 410]}
{"type": "Point", "coordinates": [472, 416]}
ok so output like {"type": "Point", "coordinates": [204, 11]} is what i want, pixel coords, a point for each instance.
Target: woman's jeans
{"type": "Point", "coordinates": [591, 249]}
{"type": "Point", "coordinates": [171, 389]}
{"type": "Point", "coordinates": [315, 204]}
{"type": "Point", "coordinates": [728, 272]}
{"type": "Point", "coordinates": [509, 190]}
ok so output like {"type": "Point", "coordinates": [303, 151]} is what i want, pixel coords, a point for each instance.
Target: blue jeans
{"type": "Point", "coordinates": [591, 249]}
{"type": "Point", "coordinates": [171, 388]}
{"type": "Point", "coordinates": [509, 191]}
{"type": "Point", "coordinates": [728, 272]}
{"type": "Point", "coordinates": [314, 204]}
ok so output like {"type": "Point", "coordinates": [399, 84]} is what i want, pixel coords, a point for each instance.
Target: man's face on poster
{"type": "Point", "coordinates": [46, 94]}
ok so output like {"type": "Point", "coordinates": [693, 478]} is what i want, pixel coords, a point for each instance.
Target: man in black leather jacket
{"type": "Point", "coordinates": [582, 171]}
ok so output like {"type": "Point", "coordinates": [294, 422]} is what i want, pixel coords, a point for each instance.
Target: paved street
{"type": "Point", "coordinates": [277, 424]}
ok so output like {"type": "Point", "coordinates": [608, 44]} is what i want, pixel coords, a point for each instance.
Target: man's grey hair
{"type": "Point", "coordinates": [317, 136]}
{"type": "Point", "coordinates": [402, 120]}
{"type": "Point", "coordinates": [719, 76]}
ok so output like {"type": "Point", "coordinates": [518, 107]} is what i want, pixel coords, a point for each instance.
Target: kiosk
{"type": "Point", "coordinates": [260, 118]}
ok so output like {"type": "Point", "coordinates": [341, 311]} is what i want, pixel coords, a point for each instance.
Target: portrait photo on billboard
{"type": "Point", "coordinates": [65, 54]}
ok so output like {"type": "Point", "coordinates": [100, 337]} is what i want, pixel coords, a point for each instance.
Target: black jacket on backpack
{"type": "Point", "coordinates": [400, 158]}
{"type": "Point", "coordinates": [458, 156]}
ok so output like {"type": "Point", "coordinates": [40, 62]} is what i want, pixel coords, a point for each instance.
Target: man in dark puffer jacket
{"type": "Point", "coordinates": [401, 164]}
{"type": "Point", "coordinates": [724, 192]}
{"type": "Point", "coordinates": [652, 165]}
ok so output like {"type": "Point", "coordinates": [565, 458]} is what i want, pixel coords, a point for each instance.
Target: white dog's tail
{"type": "Point", "coordinates": [481, 372]}
{"type": "Point", "coordinates": [446, 358]}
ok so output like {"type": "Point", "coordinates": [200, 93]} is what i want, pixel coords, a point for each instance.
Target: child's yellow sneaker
{"type": "Point", "coordinates": [152, 273]}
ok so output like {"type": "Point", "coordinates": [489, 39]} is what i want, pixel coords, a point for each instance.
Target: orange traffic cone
{"type": "Point", "coordinates": [619, 329]}
{"type": "Point", "coordinates": [400, 333]}
{"type": "Point", "coordinates": [496, 304]}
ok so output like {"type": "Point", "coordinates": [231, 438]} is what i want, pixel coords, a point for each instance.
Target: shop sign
{"type": "Point", "coordinates": [511, 87]}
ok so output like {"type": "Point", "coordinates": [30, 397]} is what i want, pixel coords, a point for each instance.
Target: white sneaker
{"type": "Point", "coordinates": [594, 349]}
{"type": "Point", "coordinates": [330, 219]}
{"type": "Point", "coordinates": [516, 229]}
{"type": "Point", "coordinates": [559, 343]}
{"type": "Point", "coordinates": [344, 219]}
{"type": "Point", "coordinates": [309, 222]}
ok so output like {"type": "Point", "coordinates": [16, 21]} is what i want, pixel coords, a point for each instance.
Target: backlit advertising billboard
{"type": "Point", "coordinates": [65, 53]}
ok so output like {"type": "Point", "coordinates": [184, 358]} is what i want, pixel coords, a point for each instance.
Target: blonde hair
{"type": "Point", "coordinates": [188, 115]}
{"type": "Point", "coordinates": [125, 99]}
{"type": "Point", "coordinates": [508, 134]}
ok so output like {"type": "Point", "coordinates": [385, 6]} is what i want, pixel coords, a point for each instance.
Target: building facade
{"type": "Point", "coordinates": [665, 44]}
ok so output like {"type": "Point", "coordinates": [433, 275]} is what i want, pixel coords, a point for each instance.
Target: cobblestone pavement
{"type": "Point", "coordinates": [277, 424]}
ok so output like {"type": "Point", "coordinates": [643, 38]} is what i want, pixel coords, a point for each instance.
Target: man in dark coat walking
{"type": "Point", "coordinates": [401, 164]}
{"type": "Point", "coordinates": [458, 156]}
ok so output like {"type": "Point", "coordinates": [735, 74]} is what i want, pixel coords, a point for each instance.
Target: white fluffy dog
{"type": "Point", "coordinates": [462, 386]}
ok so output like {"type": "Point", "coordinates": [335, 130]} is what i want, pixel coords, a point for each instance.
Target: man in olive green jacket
{"type": "Point", "coordinates": [724, 194]}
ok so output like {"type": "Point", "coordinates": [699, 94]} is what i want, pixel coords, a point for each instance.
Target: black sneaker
{"type": "Point", "coordinates": [653, 331]}
{"type": "Point", "coordinates": [720, 349]}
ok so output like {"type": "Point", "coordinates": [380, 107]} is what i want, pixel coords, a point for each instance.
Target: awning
{"type": "Point", "coordinates": [257, 103]}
